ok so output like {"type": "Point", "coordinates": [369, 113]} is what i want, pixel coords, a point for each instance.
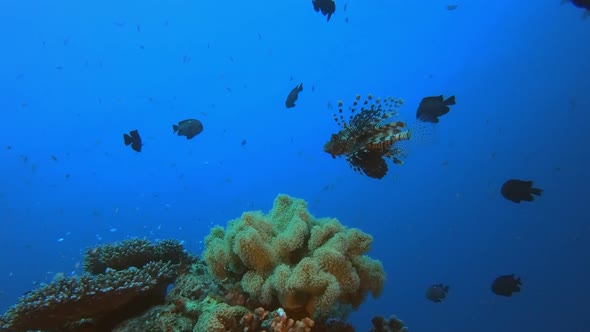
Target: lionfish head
{"type": "Point", "coordinates": [335, 146]}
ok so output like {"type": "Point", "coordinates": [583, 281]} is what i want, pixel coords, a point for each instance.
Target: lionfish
{"type": "Point", "coordinates": [367, 138]}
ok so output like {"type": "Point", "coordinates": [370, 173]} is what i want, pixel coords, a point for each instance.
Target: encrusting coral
{"type": "Point", "coordinates": [290, 258]}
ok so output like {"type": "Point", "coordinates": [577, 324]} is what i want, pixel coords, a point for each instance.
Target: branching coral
{"type": "Point", "coordinates": [290, 258]}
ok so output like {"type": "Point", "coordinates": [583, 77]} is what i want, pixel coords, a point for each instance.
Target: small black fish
{"type": "Point", "coordinates": [189, 128]}
{"type": "Point", "coordinates": [328, 7]}
{"type": "Point", "coordinates": [436, 293]}
{"type": "Point", "coordinates": [452, 7]}
{"type": "Point", "coordinates": [133, 139]}
{"type": "Point", "coordinates": [432, 107]}
{"type": "Point", "coordinates": [506, 285]}
{"type": "Point", "coordinates": [292, 97]}
{"type": "Point", "coordinates": [519, 190]}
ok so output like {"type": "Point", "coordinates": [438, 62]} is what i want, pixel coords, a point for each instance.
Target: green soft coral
{"type": "Point", "coordinates": [290, 258]}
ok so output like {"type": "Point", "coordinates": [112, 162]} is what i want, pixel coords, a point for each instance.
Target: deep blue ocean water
{"type": "Point", "coordinates": [75, 76]}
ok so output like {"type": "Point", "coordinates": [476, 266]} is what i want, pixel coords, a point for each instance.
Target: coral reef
{"type": "Point", "coordinates": [289, 258]}
{"type": "Point", "coordinates": [285, 271]}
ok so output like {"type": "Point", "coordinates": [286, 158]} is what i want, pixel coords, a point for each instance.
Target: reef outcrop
{"type": "Point", "coordinates": [283, 271]}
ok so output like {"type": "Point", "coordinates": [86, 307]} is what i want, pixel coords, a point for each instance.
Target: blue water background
{"type": "Point", "coordinates": [74, 76]}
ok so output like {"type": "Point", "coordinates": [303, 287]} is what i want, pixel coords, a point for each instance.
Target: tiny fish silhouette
{"type": "Point", "coordinates": [327, 7]}
{"type": "Point", "coordinates": [292, 97]}
{"type": "Point", "coordinates": [506, 285]}
{"type": "Point", "coordinates": [133, 139]}
{"type": "Point", "coordinates": [433, 107]}
{"type": "Point", "coordinates": [518, 190]}
{"type": "Point", "coordinates": [189, 128]}
{"type": "Point", "coordinates": [436, 293]}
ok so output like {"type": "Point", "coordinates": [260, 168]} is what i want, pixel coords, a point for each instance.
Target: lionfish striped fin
{"type": "Point", "coordinates": [386, 137]}
{"type": "Point", "coordinates": [393, 127]}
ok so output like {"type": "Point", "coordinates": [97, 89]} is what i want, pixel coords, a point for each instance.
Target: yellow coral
{"type": "Point", "coordinates": [216, 256]}
{"type": "Point", "coordinates": [252, 282]}
{"type": "Point", "coordinates": [322, 231]}
{"type": "Point", "coordinates": [307, 275]}
{"type": "Point", "coordinates": [281, 276]}
{"type": "Point", "coordinates": [267, 293]}
{"type": "Point", "coordinates": [335, 263]}
{"type": "Point", "coordinates": [358, 242]}
{"type": "Point", "coordinates": [282, 210]}
{"type": "Point", "coordinates": [287, 255]}
{"type": "Point", "coordinates": [287, 209]}
{"type": "Point", "coordinates": [371, 273]}
{"type": "Point", "coordinates": [217, 232]}
{"type": "Point", "coordinates": [254, 253]}
{"type": "Point", "coordinates": [309, 279]}
{"type": "Point", "coordinates": [293, 237]}
{"type": "Point", "coordinates": [256, 220]}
